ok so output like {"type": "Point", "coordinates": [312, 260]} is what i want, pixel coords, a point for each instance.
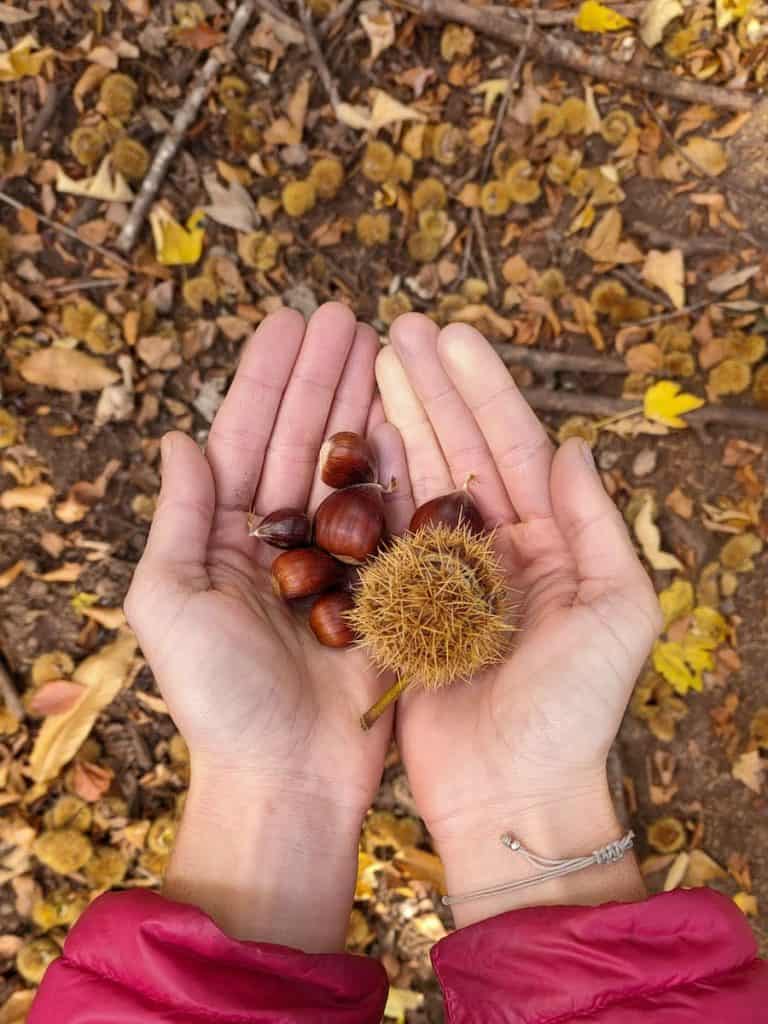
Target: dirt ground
{"type": "Point", "coordinates": [705, 483]}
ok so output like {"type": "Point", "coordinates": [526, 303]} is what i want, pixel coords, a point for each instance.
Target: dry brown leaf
{"type": "Point", "coordinates": [707, 155]}
{"type": "Point", "coordinates": [12, 573]}
{"type": "Point", "coordinates": [288, 131]}
{"type": "Point", "coordinates": [380, 29]}
{"type": "Point", "coordinates": [34, 498]}
{"type": "Point", "coordinates": [67, 573]}
{"type": "Point", "coordinates": [154, 704]}
{"type": "Point", "coordinates": [56, 697]}
{"type": "Point", "coordinates": [66, 369]}
{"type": "Point", "coordinates": [604, 245]}
{"type": "Point", "coordinates": [655, 18]}
{"type": "Point", "coordinates": [702, 869]}
{"type": "Point", "coordinates": [667, 271]}
{"type": "Point", "coordinates": [749, 768]}
{"type": "Point", "coordinates": [106, 184]}
{"type": "Point", "coordinates": [732, 279]}
{"type": "Point", "coordinates": [647, 533]}
{"type": "Point", "coordinates": [17, 1006]}
{"type": "Point", "coordinates": [644, 358]}
{"type": "Point", "coordinates": [103, 675]}
{"type": "Point", "coordinates": [679, 503]}
{"type": "Point", "coordinates": [91, 781]}
{"type": "Point", "coordinates": [422, 865]}
{"type": "Point", "coordinates": [109, 618]}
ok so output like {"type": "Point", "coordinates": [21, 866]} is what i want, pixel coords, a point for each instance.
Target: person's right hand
{"type": "Point", "coordinates": [523, 748]}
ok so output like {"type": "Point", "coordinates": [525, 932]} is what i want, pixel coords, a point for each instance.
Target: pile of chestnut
{"type": "Point", "coordinates": [321, 555]}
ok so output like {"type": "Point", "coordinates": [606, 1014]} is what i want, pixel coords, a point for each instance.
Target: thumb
{"type": "Point", "coordinates": [592, 526]}
{"type": "Point", "coordinates": [174, 557]}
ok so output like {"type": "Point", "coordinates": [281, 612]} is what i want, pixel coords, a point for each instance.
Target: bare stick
{"type": "Point", "coordinates": [563, 17]}
{"type": "Point", "coordinates": [595, 405]}
{"type": "Point", "coordinates": [630, 278]}
{"type": "Point", "coordinates": [656, 236]}
{"type": "Point", "coordinates": [374, 713]}
{"type": "Point", "coordinates": [53, 98]}
{"type": "Point", "coordinates": [564, 53]}
{"type": "Point", "coordinates": [479, 230]}
{"type": "Point", "coordinates": [9, 695]}
{"type": "Point", "coordinates": [64, 230]}
{"type": "Point", "coordinates": [557, 362]}
{"type": "Point", "coordinates": [181, 123]}
{"type": "Point", "coordinates": [276, 12]}
{"type": "Point", "coordinates": [317, 55]}
{"type": "Point", "coordinates": [338, 13]}
{"type": "Point", "coordinates": [673, 314]}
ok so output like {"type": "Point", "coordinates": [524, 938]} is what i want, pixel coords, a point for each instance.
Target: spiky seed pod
{"type": "Point", "coordinates": [130, 158]}
{"type": "Point", "coordinates": [434, 608]}
{"type": "Point", "coordinates": [299, 197]}
{"type": "Point", "coordinates": [88, 142]}
{"type": "Point", "coordinates": [327, 175]}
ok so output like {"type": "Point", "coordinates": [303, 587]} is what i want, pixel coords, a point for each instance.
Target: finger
{"type": "Point", "coordinates": [390, 455]}
{"type": "Point", "coordinates": [590, 523]}
{"type": "Point", "coordinates": [175, 553]}
{"type": "Point", "coordinates": [376, 415]}
{"type": "Point", "coordinates": [243, 425]}
{"type": "Point", "coordinates": [352, 401]}
{"type": "Point", "coordinates": [414, 338]}
{"type": "Point", "coordinates": [517, 440]}
{"type": "Point", "coordinates": [291, 457]}
{"type": "Point", "coordinates": [427, 468]}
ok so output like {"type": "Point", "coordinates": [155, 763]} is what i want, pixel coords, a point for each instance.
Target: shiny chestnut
{"type": "Point", "coordinates": [303, 572]}
{"type": "Point", "coordinates": [450, 510]}
{"type": "Point", "coordinates": [347, 459]}
{"type": "Point", "coordinates": [285, 528]}
{"type": "Point", "coordinates": [327, 619]}
{"type": "Point", "coordinates": [350, 523]}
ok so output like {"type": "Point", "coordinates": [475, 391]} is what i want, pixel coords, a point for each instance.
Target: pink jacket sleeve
{"type": "Point", "coordinates": [135, 958]}
{"type": "Point", "coordinates": [681, 958]}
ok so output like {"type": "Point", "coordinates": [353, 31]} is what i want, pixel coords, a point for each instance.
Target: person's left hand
{"type": "Point", "coordinates": [282, 774]}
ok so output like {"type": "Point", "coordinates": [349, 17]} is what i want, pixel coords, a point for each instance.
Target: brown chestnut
{"type": "Point", "coordinates": [347, 459]}
{"type": "Point", "coordinates": [285, 528]}
{"type": "Point", "coordinates": [449, 509]}
{"type": "Point", "coordinates": [327, 619]}
{"type": "Point", "coordinates": [303, 572]}
{"type": "Point", "coordinates": [350, 523]}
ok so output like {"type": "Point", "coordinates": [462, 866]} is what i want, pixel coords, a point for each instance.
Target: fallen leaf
{"type": "Point", "coordinates": [56, 697]}
{"type": "Point", "coordinates": [596, 17]}
{"type": "Point", "coordinates": [380, 29]}
{"type": "Point", "coordinates": [604, 245]}
{"type": "Point", "coordinates": [7, 576]}
{"type": "Point", "coordinates": [66, 369]}
{"type": "Point", "coordinates": [103, 675]}
{"type": "Point", "coordinates": [670, 659]}
{"type": "Point", "coordinates": [25, 59]}
{"type": "Point", "coordinates": [665, 403]}
{"type": "Point", "coordinates": [655, 18]}
{"type": "Point", "coordinates": [400, 1001]}
{"type": "Point", "coordinates": [702, 869]}
{"type": "Point", "coordinates": [649, 537]}
{"type": "Point", "coordinates": [200, 37]}
{"type": "Point", "coordinates": [749, 768]}
{"type": "Point", "coordinates": [386, 110]}
{"type": "Point", "coordinates": [109, 618]}
{"type": "Point", "coordinates": [422, 865]}
{"type": "Point", "coordinates": [288, 131]}
{"type": "Point", "coordinates": [13, 16]}
{"type": "Point", "coordinates": [17, 1006]}
{"type": "Point", "coordinates": [9, 429]}
{"type": "Point", "coordinates": [176, 245]}
{"type": "Point", "coordinates": [491, 90]}
{"type": "Point", "coordinates": [667, 272]}
{"type": "Point", "coordinates": [231, 206]}
{"type": "Point", "coordinates": [91, 781]}
{"type": "Point", "coordinates": [676, 600]}
{"type": "Point", "coordinates": [34, 498]}
{"type": "Point", "coordinates": [730, 10]}
{"type": "Point", "coordinates": [679, 503]}
{"type": "Point", "coordinates": [747, 903]}
{"type": "Point", "coordinates": [154, 704]}
{"type": "Point", "coordinates": [106, 184]}
{"type": "Point", "coordinates": [709, 156]}
{"type": "Point", "coordinates": [67, 573]}
{"type": "Point", "coordinates": [732, 279]}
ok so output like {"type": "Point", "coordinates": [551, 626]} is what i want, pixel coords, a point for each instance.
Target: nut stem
{"type": "Point", "coordinates": [381, 705]}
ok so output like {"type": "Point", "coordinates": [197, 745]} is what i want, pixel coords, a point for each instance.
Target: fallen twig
{"type": "Point", "coordinates": [672, 314]}
{"type": "Point", "coordinates": [656, 236]}
{"type": "Point", "coordinates": [181, 122]}
{"type": "Point", "coordinates": [597, 405]}
{"type": "Point", "coordinates": [547, 18]}
{"type": "Point", "coordinates": [626, 275]}
{"type": "Point", "coordinates": [53, 98]}
{"type": "Point", "coordinates": [316, 53]}
{"type": "Point", "coordinates": [557, 362]}
{"type": "Point", "coordinates": [9, 695]}
{"type": "Point", "coordinates": [564, 53]}
{"type": "Point", "coordinates": [338, 13]}
{"type": "Point", "coordinates": [478, 228]}
{"type": "Point", "coordinates": [63, 229]}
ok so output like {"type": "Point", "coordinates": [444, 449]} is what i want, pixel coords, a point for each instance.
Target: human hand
{"type": "Point", "coordinates": [523, 748]}
{"type": "Point", "coordinates": [281, 772]}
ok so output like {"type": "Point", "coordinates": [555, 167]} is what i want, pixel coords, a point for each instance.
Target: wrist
{"type": "Point", "coordinates": [551, 823]}
{"type": "Point", "coordinates": [270, 861]}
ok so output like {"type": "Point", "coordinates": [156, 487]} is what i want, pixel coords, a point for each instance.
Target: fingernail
{"type": "Point", "coordinates": [586, 452]}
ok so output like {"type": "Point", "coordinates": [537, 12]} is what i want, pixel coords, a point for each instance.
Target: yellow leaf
{"type": "Point", "coordinates": [647, 533]}
{"type": "Point", "coordinates": [669, 660]}
{"type": "Point", "coordinates": [655, 18]}
{"type": "Point", "coordinates": [64, 369]}
{"type": "Point", "coordinates": [665, 403]}
{"type": "Point", "coordinates": [9, 429]}
{"type": "Point", "coordinates": [730, 10]}
{"type": "Point", "coordinates": [106, 184]}
{"type": "Point", "coordinates": [746, 903]}
{"type": "Point", "coordinates": [34, 498]}
{"type": "Point", "coordinates": [174, 244]}
{"type": "Point", "coordinates": [492, 89]}
{"type": "Point", "coordinates": [399, 1001]}
{"type": "Point", "coordinates": [596, 17]}
{"type": "Point", "coordinates": [386, 110]}
{"type": "Point", "coordinates": [367, 866]}
{"type": "Point", "coordinates": [604, 245]}
{"type": "Point", "coordinates": [676, 600]}
{"type": "Point", "coordinates": [709, 626]}
{"type": "Point", "coordinates": [706, 154]}
{"type": "Point", "coordinates": [420, 864]}
{"type": "Point", "coordinates": [25, 59]}
{"type": "Point", "coordinates": [666, 271]}
{"type": "Point", "coordinates": [103, 675]}
{"type": "Point", "coordinates": [582, 220]}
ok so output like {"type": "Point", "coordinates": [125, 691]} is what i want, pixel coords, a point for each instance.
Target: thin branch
{"type": "Point", "coordinates": [565, 53]}
{"type": "Point", "coordinates": [559, 362]}
{"type": "Point", "coordinates": [276, 12]}
{"type": "Point", "coordinates": [630, 279]}
{"type": "Point", "coordinates": [53, 98]}
{"type": "Point", "coordinates": [181, 123]}
{"type": "Point", "coordinates": [316, 54]}
{"type": "Point", "coordinates": [338, 13]}
{"type": "Point", "coordinates": [9, 694]}
{"type": "Point", "coordinates": [673, 314]}
{"type": "Point", "coordinates": [547, 18]}
{"type": "Point", "coordinates": [656, 236]}
{"type": "Point", "coordinates": [479, 230]}
{"type": "Point", "coordinates": [596, 405]}
{"type": "Point", "coordinates": [64, 230]}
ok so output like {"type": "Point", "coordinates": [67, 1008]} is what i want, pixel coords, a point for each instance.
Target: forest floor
{"type": "Point", "coordinates": [564, 210]}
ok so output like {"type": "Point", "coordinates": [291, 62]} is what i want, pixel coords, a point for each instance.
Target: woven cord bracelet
{"type": "Point", "coordinates": [611, 853]}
